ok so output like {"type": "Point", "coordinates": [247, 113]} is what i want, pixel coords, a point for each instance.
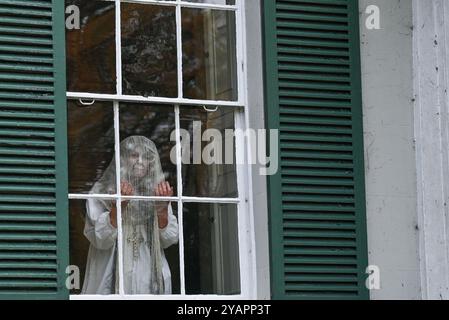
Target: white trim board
{"type": "Point", "coordinates": [431, 71]}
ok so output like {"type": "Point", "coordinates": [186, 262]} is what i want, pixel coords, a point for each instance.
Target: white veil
{"type": "Point", "coordinates": [140, 167]}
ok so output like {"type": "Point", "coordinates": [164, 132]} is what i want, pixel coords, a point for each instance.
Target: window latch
{"type": "Point", "coordinates": [210, 109]}
{"type": "Point", "coordinates": [86, 103]}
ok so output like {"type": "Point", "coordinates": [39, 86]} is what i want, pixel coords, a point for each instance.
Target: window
{"type": "Point", "coordinates": [148, 217]}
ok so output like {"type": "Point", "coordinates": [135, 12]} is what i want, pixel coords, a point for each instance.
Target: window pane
{"type": "Point", "coordinates": [224, 2]}
{"type": "Point", "coordinates": [211, 249]}
{"type": "Point", "coordinates": [149, 53]}
{"type": "Point", "coordinates": [146, 147]}
{"type": "Point", "coordinates": [150, 247]}
{"type": "Point", "coordinates": [209, 54]}
{"type": "Point", "coordinates": [79, 244]}
{"type": "Point", "coordinates": [93, 247]}
{"type": "Point", "coordinates": [209, 168]}
{"type": "Point", "coordinates": [91, 148]}
{"type": "Point", "coordinates": [91, 49]}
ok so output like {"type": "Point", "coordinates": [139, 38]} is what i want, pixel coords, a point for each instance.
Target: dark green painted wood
{"type": "Point", "coordinates": [33, 150]}
{"type": "Point", "coordinates": [317, 199]}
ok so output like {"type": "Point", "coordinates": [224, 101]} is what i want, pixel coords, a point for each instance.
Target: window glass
{"type": "Point", "coordinates": [209, 168]}
{"type": "Point", "coordinates": [79, 244]}
{"type": "Point", "coordinates": [91, 49]}
{"type": "Point", "coordinates": [93, 238]}
{"type": "Point", "coordinates": [209, 54]}
{"type": "Point", "coordinates": [211, 250]}
{"type": "Point", "coordinates": [149, 53]}
{"type": "Point", "coordinates": [91, 145]}
{"type": "Point", "coordinates": [150, 247]}
{"type": "Point", "coordinates": [145, 132]}
{"type": "Point", "coordinates": [141, 136]}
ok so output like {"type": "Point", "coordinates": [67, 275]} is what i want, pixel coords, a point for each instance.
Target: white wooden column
{"type": "Point", "coordinates": [431, 71]}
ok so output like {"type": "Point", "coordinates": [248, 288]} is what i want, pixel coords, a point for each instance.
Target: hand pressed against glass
{"type": "Point", "coordinates": [163, 189]}
{"type": "Point", "coordinates": [127, 190]}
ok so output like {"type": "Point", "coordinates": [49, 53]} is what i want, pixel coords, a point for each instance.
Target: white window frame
{"type": "Point", "coordinates": [431, 136]}
{"type": "Point", "coordinates": [244, 202]}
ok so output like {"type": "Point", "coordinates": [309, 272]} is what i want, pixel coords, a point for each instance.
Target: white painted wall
{"type": "Point", "coordinates": [387, 84]}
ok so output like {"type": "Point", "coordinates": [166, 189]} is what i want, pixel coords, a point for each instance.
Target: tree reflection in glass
{"type": "Point", "coordinates": [149, 53]}
{"type": "Point", "coordinates": [91, 49]}
{"type": "Point", "coordinates": [209, 54]}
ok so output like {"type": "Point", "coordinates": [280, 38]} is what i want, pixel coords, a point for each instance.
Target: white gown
{"type": "Point", "coordinates": [101, 261]}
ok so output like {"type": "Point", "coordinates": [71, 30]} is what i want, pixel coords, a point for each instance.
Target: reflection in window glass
{"type": "Point", "coordinates": [79, 244]}
{"type": "Point", "coordinates": [211, 250]}
{"type": "Point", "coordinates": [91, 145]}
{"type": "Point", "coordinates": [149, 53]}
{"type": "Point", "coordinates": [218, 178]}
{"type": "Point", "coordinates": [145, 148]}
{"type": "Point", "coordinates": [91, 49]}
{"type": "Point", "coordinates": [149, 228]}
{"type": "Point", "coordinates": [209, 54]}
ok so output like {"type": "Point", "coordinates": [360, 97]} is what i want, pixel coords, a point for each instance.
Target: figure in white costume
{"type": "Point", "coordinates": [148, 227]}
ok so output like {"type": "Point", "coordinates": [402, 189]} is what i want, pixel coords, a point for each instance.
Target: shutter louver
{"type": "Point", "coordinates": [317, 201]}
{"type": "Point", "coordinates": [33, 205]}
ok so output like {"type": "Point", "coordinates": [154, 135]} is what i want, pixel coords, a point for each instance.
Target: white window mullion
{"type": "Point", "coordinates": [158, 100]}
{"type": "Point", "coordinates": [119, 199]}
{"type": "Point", "coordinates": [179, 49]}
{"type": "Point", "coordinates": [210, 200]}
{"type": "Point", "coordinates": [86, 196]}
{"type": "Point", "coordinates": [239, 51]}
{"type": "Point", "coordinates": [189, 199]}
{"type": "Point", "coordinates": [201, 5]}
{"type": "Point", "coordinates": [118, 55]}
{"type": "Point", "coordinates": [180, 203]}
{"type": "Point", "coordinates": [118, 46]}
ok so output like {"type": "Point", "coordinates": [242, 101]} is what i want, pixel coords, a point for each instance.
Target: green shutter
{"type": "Point", "coordinates": [33, 174]}
{"type": "Point", "coordinates": [317, 199]}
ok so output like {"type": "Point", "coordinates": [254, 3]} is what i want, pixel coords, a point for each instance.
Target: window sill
{"type": "Point", "coordinates": [159, 297]}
